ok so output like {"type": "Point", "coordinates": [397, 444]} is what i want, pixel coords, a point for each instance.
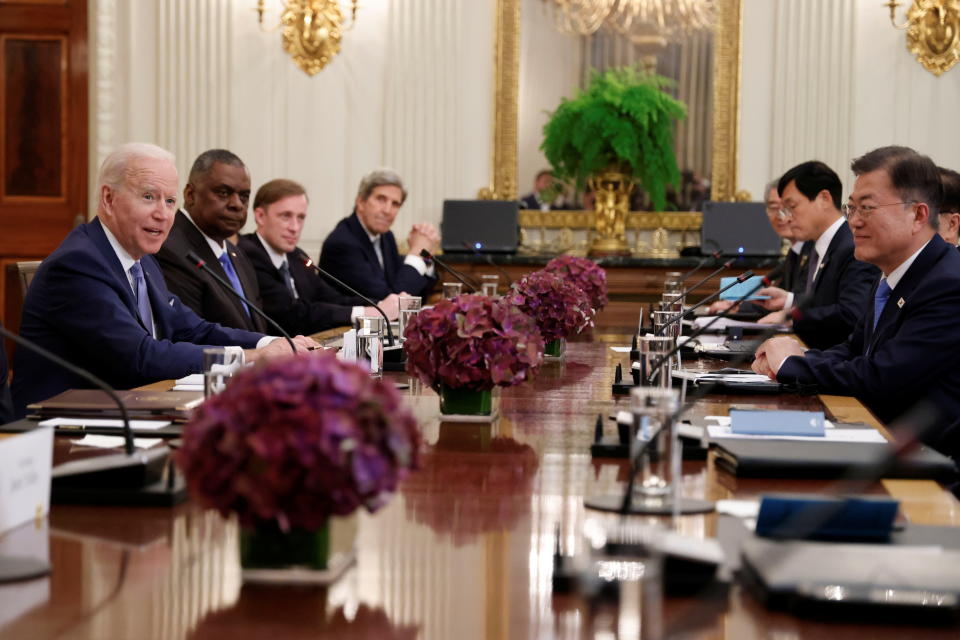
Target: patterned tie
{"type": "Point", "coordinates": [288, 279]}
{"type": "Point", "coordinates": [143, 299]}
{"type": "Point", "coordinates": [812, 268]}
{"type": "Point", "coordinates": [232, 277]}
{"type": "Point", "coordinates": [880, 300]}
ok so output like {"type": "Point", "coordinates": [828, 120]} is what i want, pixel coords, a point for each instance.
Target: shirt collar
{"type": "Point", "coordinates": [797, 246]}
{"type": "Point", "coordinates": [276, 257]}
{"type": "Point", "coordinates": [823, 242]}
{"type": "Point", "coordinates": [126, 260]}
{"type": "Point", "coordinates": [217, 248]}
{"type": "Point", "coordinates": [373, 236]}
{"type": "Point", "coordinates": [897, 274]}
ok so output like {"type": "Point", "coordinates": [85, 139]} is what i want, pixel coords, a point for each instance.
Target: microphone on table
{"type": "Point", "coordinates": [490, 261]}
{"type": "Point", "coordinates": [200, 263]}
{"type": "Point", "coordinates": [716, 255]}
{"type": "Point", "coordinates": [426, 255]}
{"type": "Point", "coordinates": [308, 263]}
{"type": "Point", "coordinates": [743, 277]}
{"type": "Point", "coordinates": [132, 468]}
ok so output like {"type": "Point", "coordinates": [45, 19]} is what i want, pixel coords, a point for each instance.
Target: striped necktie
{"type": "Point", "coordinates": [143, 298]}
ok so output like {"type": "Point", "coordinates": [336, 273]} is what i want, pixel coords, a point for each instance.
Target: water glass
{"type": "Point", "coordinates": [652, 350]}
{"type": "Point", "coordinates": [654, 410]}
{"type": "Point", "coordinates": [409, 307]}
{"type": "Point", "coordinates": [370, 343]}
{"type": "Point", "coordinates": [489, 285]}
{"type": "Point", "coordinates": [219, 365]}
{"type": "Point", "coordinates": [452, 289]}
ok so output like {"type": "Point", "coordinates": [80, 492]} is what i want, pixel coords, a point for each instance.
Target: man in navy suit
{"type": "Point", "coordinates": [362, 251]}
{"type": "Point", "coordinates": [950, 206]}
{"type": "Point", "coordinates": [215, 201]}
{"type": "Point", "coordinates": [837, 286]}
{"type": "Point", "coordinates": [294, 294]}
{"type": "Point", "coordinates": [906, 345]}
{"type": "Point", "coordinates": [100, 302]}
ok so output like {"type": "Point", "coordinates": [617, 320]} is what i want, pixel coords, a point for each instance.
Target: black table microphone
{"type": "Point", "coordinates": [426, 255]}
{"type": "Point", "coordinates": [490, 261]}
{"type": "Point", "coordinates": [109, 470]}
{"type": "Point", "coordinates": [308, 263]}
{"type": "Point", "coordinates": [200, 263]}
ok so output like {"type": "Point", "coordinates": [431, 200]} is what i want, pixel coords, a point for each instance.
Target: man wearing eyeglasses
{"type": "Point", "coordinates": [836, 286]}
{"type": "Point", "coordinates": [906, 345]}
{"type": "Point", "coordinates": [950, 206]}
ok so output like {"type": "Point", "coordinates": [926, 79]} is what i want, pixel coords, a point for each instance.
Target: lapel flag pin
{"type": "Point", "coordinates": [901, 302]}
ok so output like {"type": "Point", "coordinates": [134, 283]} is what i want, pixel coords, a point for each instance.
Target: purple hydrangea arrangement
{"type": "Point", "coordinates": [559, 308]}
{"type": "Point", "coordinates": [584, 273]}
{"type": "Point", "coordinates": [472, 342]}
{"type": "Point", "coordinates": [297, 440]}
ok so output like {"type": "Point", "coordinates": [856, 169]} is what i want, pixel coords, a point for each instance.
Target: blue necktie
{"type": "Point", "coordinates": [880, 300]}
{"type": "Point", "coordinates": [232, 277]}
{"type": "Point", "coordinates": [143, 300]}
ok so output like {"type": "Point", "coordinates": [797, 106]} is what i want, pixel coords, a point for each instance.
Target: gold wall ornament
{"type": "Point", "coordinates": [933, 32]}
{"type": "Point", "coordinates": [506, 90]}
{"type": "Point", "coordinates": [312, 31]}
{"type": "Point", "coordinates": [612, 189]}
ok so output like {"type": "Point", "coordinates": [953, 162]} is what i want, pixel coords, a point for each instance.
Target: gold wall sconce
{"type": "Point", "coordinates": [312, 30]}
{"type": "Point", "coordinates": [933, 32]}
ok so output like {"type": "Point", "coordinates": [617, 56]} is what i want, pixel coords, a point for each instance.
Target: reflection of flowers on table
{"type": "Point", "coordinates": [467, 493]}
{"type": "Point", "coordinates": [297, 440]}
{"type": "Point", "coordinates": [292, 613]}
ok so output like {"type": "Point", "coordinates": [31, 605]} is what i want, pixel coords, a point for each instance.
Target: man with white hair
{"type": "Point", "coordinates": [362, 251]}
{"type": "Point", "coordinates": [99, 300]}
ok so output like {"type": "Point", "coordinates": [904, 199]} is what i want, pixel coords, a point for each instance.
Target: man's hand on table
{"type": "Point", "coordinates": [771, 354]}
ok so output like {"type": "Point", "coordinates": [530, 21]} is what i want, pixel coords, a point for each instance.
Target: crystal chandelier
{"type": "Point", "coordinates": [634, 18]}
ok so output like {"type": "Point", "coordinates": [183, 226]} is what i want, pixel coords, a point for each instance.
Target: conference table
{"type": "Point", "coordinates": [463, 551]}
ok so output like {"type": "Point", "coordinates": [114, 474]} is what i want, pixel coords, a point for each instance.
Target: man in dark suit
{"type": "Point", "coordinates": [294, 294]}
{"type": "Point", "coordinates": [906, 345]}
{"type": "Point", "coordinates": [950, 206]}
{"type": "Point", "coordinates": [837, 286]}
{"type": "Point", "coordinates": [362, 251]}
{"type": "Point", "coordinates": [543, 197]}
{"type": "Point", "coordinates": [100, 302]}
{"type": "Point", "coordinates": [215, 201]}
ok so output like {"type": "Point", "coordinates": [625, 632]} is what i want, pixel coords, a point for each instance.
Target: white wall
{"type": "Point", "coordinates": [832, 80]}
{"type": "Point", "coordinates": [550, 67]}
{"type": "Point", "coordinates": [412, 88]}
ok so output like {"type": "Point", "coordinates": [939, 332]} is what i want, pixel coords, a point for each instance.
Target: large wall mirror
{"type": "Point", "coordinates": [537, 65]}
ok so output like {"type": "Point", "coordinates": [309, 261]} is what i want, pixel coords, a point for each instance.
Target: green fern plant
{"type": "Point", "coordinates": [623, 120]}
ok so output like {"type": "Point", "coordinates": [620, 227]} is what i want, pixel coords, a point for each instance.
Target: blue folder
{"type": "Point", "coordinates": [735, 292]}
{"type": "Point", "coordinates": [777, 423]}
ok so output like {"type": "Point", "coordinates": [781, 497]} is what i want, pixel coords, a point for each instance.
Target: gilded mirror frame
{"type": "Point", "coordinates": [726, 105]}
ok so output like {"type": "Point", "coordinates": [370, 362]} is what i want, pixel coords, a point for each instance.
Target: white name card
{"type": "Point", "coordinates": [25, 464]}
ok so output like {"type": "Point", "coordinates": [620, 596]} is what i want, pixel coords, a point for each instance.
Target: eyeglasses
{"type": "Point", "coordinates": [866, 210]}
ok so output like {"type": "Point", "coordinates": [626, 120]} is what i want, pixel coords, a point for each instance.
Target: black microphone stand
{"type": "Point", "coordinates": [200, 263]}
{"type": "Point", "coordinates": [426, 255]}
{"type": "Point", "coordinates": [716, 255]}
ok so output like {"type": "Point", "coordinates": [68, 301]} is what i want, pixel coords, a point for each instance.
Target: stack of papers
{"type": "Point", "coordinates": [192, 382]}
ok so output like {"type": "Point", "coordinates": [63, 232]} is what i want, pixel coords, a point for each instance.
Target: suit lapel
{"type": "Point", "coordinates": [890, 316]}
{"type": "Point", "coordinates": [353, 224]}
{"type": "Point", "coordinates": [199, 244]}
{"type": "Point", "coordinates": [842, 235]}
{"type": "Point", "coordinates": [122, 283]}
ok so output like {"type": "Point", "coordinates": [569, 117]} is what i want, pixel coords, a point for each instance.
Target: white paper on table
{"type": "Point", "coordinates": [188, 387]}
{"type": "Point", "coordinates": [195, 379]}
{"type": "Point", "coordinates": [25, 477]}
{"type": "Point", "coordinates": [723, 323]}
{"type": "Point", "coordinates": [739, 508]}
{"type": "Point", "coordinates": [620, 349]}
{"type": "Point", "coordinates": [142, 425]}
{"type": "Point", "coordinates": [112, 442]}
{"type": "Point", "coordinates": [717, 432]}
{"type": "Point", "coordinates": [695, 375]}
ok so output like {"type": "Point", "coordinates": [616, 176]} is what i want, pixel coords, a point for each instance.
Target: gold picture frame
{"type": "Point", "coordinates": [726, 108]}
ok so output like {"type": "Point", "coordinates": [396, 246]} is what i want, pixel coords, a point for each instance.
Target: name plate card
{"type": "Point", "coordinates": [26, 461]}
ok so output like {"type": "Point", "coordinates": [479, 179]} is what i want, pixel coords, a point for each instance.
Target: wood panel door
{"type": "Point", "coordinates": [43, 131]}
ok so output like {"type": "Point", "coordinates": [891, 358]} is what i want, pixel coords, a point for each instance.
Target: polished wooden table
{"type": "Point", "coordinates": [464, 551]}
